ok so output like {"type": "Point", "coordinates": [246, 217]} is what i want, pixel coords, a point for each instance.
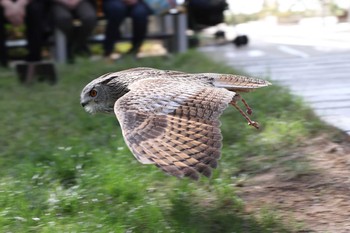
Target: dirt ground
{"type": "Point", "coordinates": [316, 196]}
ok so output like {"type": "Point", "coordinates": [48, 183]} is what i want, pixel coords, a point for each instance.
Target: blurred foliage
{"type": "Point", "coordinates": [338, 11]}
{"type": "Point", "coordinates": [63, 170]}
{"type": "Point", "coordinates": [289, 16]}
{"type": "Point", "coordinates": [15, 32]}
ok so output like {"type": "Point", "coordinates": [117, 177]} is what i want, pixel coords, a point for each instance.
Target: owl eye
{"type": "Point", "coordinates": [93, 93]}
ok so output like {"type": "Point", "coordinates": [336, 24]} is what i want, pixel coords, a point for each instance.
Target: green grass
{"type": "Point", "coordinates": [63, 170]}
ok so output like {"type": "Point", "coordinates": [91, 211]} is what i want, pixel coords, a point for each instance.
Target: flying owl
{"type": "Point", "coordinates": [170, 118]}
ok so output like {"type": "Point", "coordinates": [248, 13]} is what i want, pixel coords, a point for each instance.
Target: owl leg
{"type": "Point", "coordinates": [236, 98]}
{"type": "Point", "coordinates": [249, 110]}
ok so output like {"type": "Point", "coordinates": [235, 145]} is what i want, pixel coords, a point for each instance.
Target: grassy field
{"type": "Point", "coordinates": [63, 170]}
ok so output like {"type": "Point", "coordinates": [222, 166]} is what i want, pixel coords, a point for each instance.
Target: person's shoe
{"type": "Point", "coordinates": [109, 59]}
{"type": "Point", "coordinates": [22, 71]}
{"type": "Point", "coordinates": [28, 72]}
{"type": "Point", "coordinates": [46, 71]}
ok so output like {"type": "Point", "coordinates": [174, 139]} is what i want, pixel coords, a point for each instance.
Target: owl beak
{"type": "Point", "coordinates": [84, 104]}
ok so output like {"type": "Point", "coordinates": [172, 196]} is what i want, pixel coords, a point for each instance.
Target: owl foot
{"type": "Point", "coordinates": [249, 110]}
{"type": "Point", "coordinates": [238, 97]}
{"type": "Point", "coordinates": [254, 124]}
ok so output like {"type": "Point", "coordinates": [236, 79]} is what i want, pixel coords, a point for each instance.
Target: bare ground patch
{"type": "Point", "coordinates": [317, 195]}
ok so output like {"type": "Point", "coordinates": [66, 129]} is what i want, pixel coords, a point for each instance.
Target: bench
{"type": "Point", "coordinates": [171, 29]}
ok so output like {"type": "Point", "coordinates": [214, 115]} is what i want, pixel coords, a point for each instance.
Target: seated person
{"type": "Point", "coordinates": [31, 13]}
{"type": "Point", "coordinates": [115, 12]}
{"type": "Point", "coordinates": [65, 12]}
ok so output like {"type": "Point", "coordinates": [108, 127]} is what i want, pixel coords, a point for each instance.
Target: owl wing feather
{"type": "Point", "coordinates": [174, 125]}
{"type": "Point", "coordinates": [238, 83]}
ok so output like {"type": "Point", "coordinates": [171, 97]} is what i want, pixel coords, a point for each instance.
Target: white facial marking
{"type": "Point", "coordinates": [89, 108]}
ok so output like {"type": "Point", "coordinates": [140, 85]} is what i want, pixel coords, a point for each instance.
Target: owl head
{"type": "Point", "coordinates": [101, 94]}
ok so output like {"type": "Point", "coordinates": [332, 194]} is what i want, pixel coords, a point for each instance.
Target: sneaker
{"type": "Point", "coordinates": [112, 58]}
{"type": "Point", "coordinates": [27, 72]}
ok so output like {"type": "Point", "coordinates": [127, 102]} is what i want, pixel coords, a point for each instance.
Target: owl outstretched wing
{"type": "Point", "coordinates": [174, 125]}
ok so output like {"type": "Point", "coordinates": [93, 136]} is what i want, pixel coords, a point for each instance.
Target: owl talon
{"type": "Point", "coordinates": [254, 124]}
{"type": "Point", "coordinates": [237, 97]}
{"type": "Point", "coordinates": [249, 111]}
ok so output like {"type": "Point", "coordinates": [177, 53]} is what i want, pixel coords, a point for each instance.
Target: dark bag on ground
{"type": "Point", "coordinates": [240, 40]}
{"type": "Point", "coordinates": [205, 13]}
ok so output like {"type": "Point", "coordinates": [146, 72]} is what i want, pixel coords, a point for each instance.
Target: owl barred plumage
{"type": "Point", "coordinates": [170, 118]}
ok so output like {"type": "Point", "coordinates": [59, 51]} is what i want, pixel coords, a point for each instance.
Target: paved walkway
{"type": "Point", "coordinates": [314, 62]}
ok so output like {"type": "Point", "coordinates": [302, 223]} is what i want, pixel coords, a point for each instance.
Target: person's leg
{"type": "Point", "coordinates": [35, 13]}
{"type": "Point", "coordinates": [115, 12]}
{"type": "Point", "coordinates": [63, 20]}
{"type": "Point", "coordinates": [87, 15]}
{"type": "Point", "coordinates": [139, 14]}
{"type": "Point", "coordinates": [3, 50]}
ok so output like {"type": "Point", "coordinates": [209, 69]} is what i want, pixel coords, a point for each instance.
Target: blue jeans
{"type": "Point", "coordinates": [115, 12]}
